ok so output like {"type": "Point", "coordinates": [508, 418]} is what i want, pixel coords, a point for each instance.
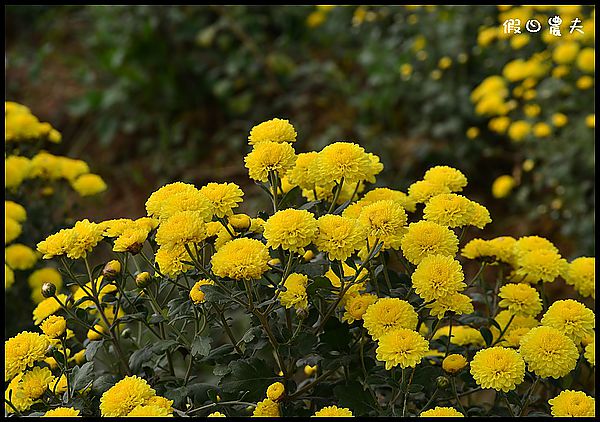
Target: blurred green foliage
{"type": "Point", "coordinates": [177, 89]}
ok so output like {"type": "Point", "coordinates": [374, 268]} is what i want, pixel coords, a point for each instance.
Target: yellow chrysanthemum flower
{"type": "Point", "coordinates": [401, 346]}
{"type": "Point", "coordinates": [224, 197]}
{"type": "Point", "coordinates": [15, 211]}
{"type": "Point", "coordinates": [590, 352]}
{"type": "Point", "coordinates": [339, 236]}
{"type": "Point", "coordinates": [85, 236]}
{"type": "Point", "coordinates": [438, 276]}
{"type": "Point", "coordinates": [89, 184]}
{"type": "Point", "coordinates": [382, 194]}
{"type": "Point", "coordinates": [14, 393]}
{"type": "Point", "coordinates": [12, 229]}
{"type": "Point", "coordinates": [348, 274]}
{"type": "Point", "coordinates": [274, 130]}
{"type": "Point", "coordinates": [453, 363]}
{"type": "Point", "coordinates": [356, 306]}
{"type": "Point", "coordinates": [573, 403]}
{"type": "Point", "coordinates": [581, 274]}
{"type": "Point", "coordinates": [499, 368]}
{"type": "Point", "coordinates": [388, 314]}
{"type": "Point", "coordinates": [47, 307]}
{"type": "Point", "coordinates": [241, 259]}
{"type": "Point", "coordinates": [503, 248]}
{"type": "Point", "coordinates": [422, 190]}
{"type": "Point", "coordinates": [384, 221]}
{"type": "Point", "coordinates": [480, 216]}
{"type": "Point", "coordinates": [304, 173]}
{"type": "Point", "coordinates": [131, 240]}
{"type": "Point", "coordinates": [478, 249]}
{"type": "Point", "coordinates": [571, 318]}
{"type": "Point", "coordinates": [22, 351]}
{"type": "Point", "coordinates": [520, 299]}
{"type": "Point", "coordinates": [59, 385]}
{"type": "Point", "coordinates": [275, 391]}
{"type": "Point", "coordinates": [31, 386]}
{"type": "Point", "coordinates": [540, 265]}
{"type": "Point", "coordinates": [586, 60]}
{"type": "Point", "coordinates": [458, 303]}
{"type": "Point", "coordinates": [440, 411]}
{"type": "Point", "coordinates": [216, 415]}
{"type": "Point", "coordinates": [196, 293]}
{"type": "Point", "coordinates": [548, 352]}
{"type": "Point", "coordinates": [531, 243]}
{"type": "Point", "coordinates": [333, 411]}
{"type": "Point", "coordinates": [171, 260]}
{"type": "Point", "coordinates": [462, 335]}
{"type": "Point", "coordinates": [268, 157]}
{"type": "Point", "coordinates": [520, 325]}
{"type": "Point", "coordinates": [20, 257]}
{"type": "Point", "coordinates": [267, 408]}
{"type": "Point", "coordinates": [71, 169]}
{"type": "Point", "coordinates": [447, 176]}
{"type": "Point", "coordinates": [503, 185]}
{"type": "Point", "coordinates": [44, 275]}
{"type": "Point", "coordinates": [9, 277]}
{"type": "Point", "coordinates": [426, 238]}
{"type": "Point", "coordinates": [54, 326]}
{"type": "Point", "coordinates": [149, 410]}
{"type": "Point", "coordinates": [290, 229]}
{"type": "Point", "coordinates": [176, 197]}
{"type": "Point", "coordinates": [61, 412]}
{"type": "Point", "coordinates": [180, 229]}
{"type": "Point", "coordinates": [124, 396]}
{"type": "Point", "coordinates": [448, 209]}
{"type": "Point", "coordinates": [342, 160]}
{"type": "Point", "coordinates": [16, 169]}
{"type": "Point", "coordinates": [295, 293]}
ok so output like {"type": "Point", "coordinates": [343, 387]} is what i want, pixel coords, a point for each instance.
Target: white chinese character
{"type": "Point", "coordinates": [554, 23]}
{"type": "Point", "coordinates": [575, 26]}
{"type": "Point", "coordinates": [533, 25]}
{"type": "Point", "coordinates": [512, 25]}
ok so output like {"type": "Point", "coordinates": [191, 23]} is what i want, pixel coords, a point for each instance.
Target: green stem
{"type": "Point", "coordinates": [512, 317]}
{"type": "Point", "coordinates": [458, 403]}
{"type": "Point", "coordinates": [336, 195]}
{"type": "Point", "coordinates": [528, 396]}
{"type": "Point", "coordinates": [505, 397]}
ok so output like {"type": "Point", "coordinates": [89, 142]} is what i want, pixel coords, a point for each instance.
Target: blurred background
{"type": "Point", "coordinates": [149, 95]}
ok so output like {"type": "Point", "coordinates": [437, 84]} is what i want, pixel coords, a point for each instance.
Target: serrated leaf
{"type": "Point", "coordinates": [251, 375]}
{"type": "Point", "coordinates": [83, 375]}
{"type": "Point", "coordinates": [201, 346]}
{"type": "Point", "coordinates": [92, 348]}
{"type": "Point", "coordinates": [140, 357]}
{"type": "Point", "coordinates": [353, 396]}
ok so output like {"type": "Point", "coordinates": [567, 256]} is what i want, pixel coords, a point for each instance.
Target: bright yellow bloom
{"type": "Point", "coordinates": [502, 186]}
{"type": "Point", "coordinates": [240, 222]}
{"type": "Point", "coordinates": [224, 197]}
{"type": "Point", "coordinates": [388, 314]}
{"type": "Point", "coordinates": [590, 352]}
{"type": "Point", "coordinates": [290, 229]}
{"type": "Point", "coordinates": [61, 412]}
{"type": "Point", "coordinates": [59, 385]}
{"type": "Point", "coordinates": [176, 197]}
{"type": "Point", "coordinates": [499, 124]}
{"type": "Point", "coordinates": [274, 130]}
{"type": "Point", "coordinates": [571, 318]}
{"type": "Point", "coordinates": [573, 403]}
{"type": "Point", "coordinates": [458, 303]}
{"type": "Point", "coordinates": [81, 293]}
{"type": "Point", "coordinates": [333, 411]}
{"type": "Point", "coordinates": [131, 240]}
{"type": "Point", "coordinates": [304, 172]}
{"type": "Point", "coordinates": [559, 119]}
{"type": "Point", "coordinates": [149, 410]}
{"type": "Point", "coordinates": [275, 391]}
{"type": "Point", "coordinates": [34, 383]}
{"type": "Point", "coordinates": [216, 415]}
{"type": "Point", "coordinates": [384, 222]}
{"type": "Point", "coordinates": [565, 52]}
{"type": "Point", "coordinates": [541, 264]}
{"type": "Point", "coordinates": [590, 120]}
{"type": "Point", "coordinates": [401, 346]}
{"type": "Point", "coordinates": [339, 236]}
{"type": "Point", "coordinates": [542, 130]}
{"type": "Point", "coordinates": [448, 209]}
{"type": "Point", "coordinates": [268, 157]}
{"type": "Point", "coordinates": [196, 293]}
{"type": "Point", "coordinates": [586, 60]}
{"type": "Point", "coordinates": [54, 326]}
{"type": "Point", "coordinates": [422, 190]}
{"type": "Point", "coordinates": [180, 229]}
{"type": "Point", "coordinates": [84, 237]}
{"type": "Point", "coordinates": [170, 260]}
{"type": "Point", "coordinates": [584, 82]}
{"type": "Point", "coordinates": [47, 307]}
{"type": "Point", "coordinates": [439, 411]}
{"type": "Point", "coordinates": [20, 257]}
{"type": "Point", "coordinates": [342, 160]}
{"type": "Point", "coordinates": [480, 216]}
{"type": "Point", "coordinates": [499, 368]}
{"type": "Point", "coordinates": [295, 294]}
{"type": "Point", "coordinates": [581, 274]}
{"type": "Point", "coordinates": [520, 299]}
{"type": "Point", "coordinates": [438, 276]}
{"type": "Point", "coordinates": [519, 326]}
{"type": "Point", "coordinates": [356, 306]}
{"type": "Point", "coordinates": [427, 238]}
{"type": "Point", "coordinates": [124, 396]}
{"type": "Point", "coordinates": [12, 229]}
{"type": "Point", "coordinates": [16, 169]}
{"type": "Point", "coordinates": [348, 274]}
{"type": "Point", "coordinates": [15, 211]}
{"type": "Point", "coordinates": [89, 184]}
{"type": "Point", "coordinates": [241, 259]}
{"type": "Point", "coordinates": [461, 335]}
{"type": "Point", "coordinates": [22, 351]}
{"type": "Point", "coordinates": [447, 176]}
{"type": "Point", "coordinates": [454, 363]}
{"type": "Point", "coordinates": [381, 194]}
{"type": "Point", "coordinates": [548, 352]}
{"type": "Point", "coordinates": [267, 408]}
{"type": "Point", "coordinates": [9, 277]}
{"type": "Point", "coordinates": [518, 130]}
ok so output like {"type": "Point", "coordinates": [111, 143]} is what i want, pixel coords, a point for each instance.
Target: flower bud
{"type": "Point", "coordinates": [310, 370]}
{"type": "Point", "coordinates": [453, 363]}
{"type": "Point", "coordinates": [93, 335]}
{"type": "Point", "coordinates": [275, 391]}
{"type": "Point", "coordinates": [48, 290]}
{"type": "Point", "coordinates": [54, 326]}
{"type": "Point", "coordinates": [143, 280]}
{"type": "Point", "coordinates": [240, 222]}
{"type": "Point", "coordinates": [308, 255]}
{"type": "Point", "coordinates": [274, 261]}
{"type": "Point", "coordinates": [111, 270]}
{"type": "Point", "coordinates": [442, 382]}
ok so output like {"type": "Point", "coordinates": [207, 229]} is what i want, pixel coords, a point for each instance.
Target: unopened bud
{"type": "Point", "coordinates": [111, 270]}
{"type": "Point", "coordinates": [453, 363]}
{"type": "Point", "coordinates": [142, 280]}
{"type": "Point", "coordinates": [274, 261]}
{"type": "Point", "coordinates": [240, 222]}
{"type": "Point", "coordinates": [442, 382]}
{"type": "Point", "coordinates": [310, 370]}
{"type": "Point", "coordinates": [308, 255]}
{"type": "Point", "coordinates": [301, 313]}
{"type": "Point", "coordinates": [48, 290]}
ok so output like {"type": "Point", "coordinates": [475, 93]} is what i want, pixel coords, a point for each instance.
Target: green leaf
{"type": "Point", "coordinates": [103, 383]}
{"type": "Point", "coordinates": [83, 375]}
{"type": "Point", "coordinates": [201, 346]}
{"type": "Point", "coordinates": [354, 397]}
{"type": "Point", "coordinates": [487, 335]}
{"type": "Point", "coordinates": [139, 357]}
{"type": "Point", "coordinates": [495, 323]}
{"type": "Point", "coordinates": [214, 294]}
{"type": "Point", "coordinates": [251, 375]}
{"type": "Point", "coordinates": [92, 348]}
{"type": "Point", "coordinates": [161, 346]}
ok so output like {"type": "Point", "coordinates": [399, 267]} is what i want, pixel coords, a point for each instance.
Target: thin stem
{"type": "Point", "coordinates": [429, 401]}
{"type": "Point", "coordinates": [66, 367]}
{"type": "Point", "coordinates": [474, 279]}
{"type": "Point", "coordinates": [505, 397]}
{"type": "Point", "coordinates": [407, 392]}
{"type": "Point", "coordinates": [449, 338]}
{"type": "Point", "coordinates": [228, 331]}
{"type": "Point", "coordinates": [512, 317]}
{"type": "Point", "coordinates": [312, 384]}
{"type": "Point", "coordinates": [385, 273]}
{"type": "Point", "coordinates": [221, 403]}
{"type": "Point", "coordinates": [458, 403]}
{"type": "Point", "coordinates": [528, 396]}
{"type": "Point", "coordinates": [336, 195]}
